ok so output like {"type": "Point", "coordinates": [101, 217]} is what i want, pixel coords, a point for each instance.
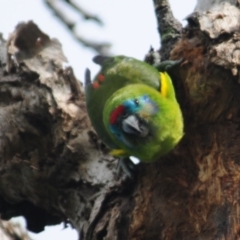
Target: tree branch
{"type": "Point", "coordinates": [101, 48]}
{"type": "Point", "coordinates": [84, 13]}
{"type": "Point", "coordinates": [168, 27]}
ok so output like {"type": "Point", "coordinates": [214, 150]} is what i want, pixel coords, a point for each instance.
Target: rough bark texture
{"type": "Point", "coordinates": [12, 231]}
{"type": "Point", "coordinates": [205, 5]}
{"type": "Point", "coordinates": [209, 74]}
{"type": "Point", "coordinates": [168, 27]}
{"type": "Point", "coordinates": [52, 163]}
{"type": "Point", "coordinates": [54, 168]}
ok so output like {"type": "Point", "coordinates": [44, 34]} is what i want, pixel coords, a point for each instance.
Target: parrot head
{"type": "Point", "coordinates": [130, 119]}
{"type": "Point", "coordinates": [140, 121]}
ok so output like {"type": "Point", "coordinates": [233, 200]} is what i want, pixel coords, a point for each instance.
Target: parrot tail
{"type": "Point", "coordinates": [87, 77]}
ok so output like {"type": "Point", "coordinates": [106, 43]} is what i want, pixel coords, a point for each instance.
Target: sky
{"type": "Point", "coordinates": [129, 25]}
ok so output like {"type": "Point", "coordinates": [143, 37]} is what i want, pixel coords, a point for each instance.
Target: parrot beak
{"type": "Point", "coordinates": [132, 125]}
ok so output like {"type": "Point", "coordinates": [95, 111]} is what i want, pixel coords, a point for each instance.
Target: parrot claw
{"type": "Point", "coordinates": [100, 59]}
{"type": "Point", "coordinates": [165, 66]}
{"type": "Point", "coordinates": [127, 166]}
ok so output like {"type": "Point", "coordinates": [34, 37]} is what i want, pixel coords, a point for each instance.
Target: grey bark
{"type": "Point", "coordinates": [48, 148]}
{"type": "Point", "coordinates": [205, 5]}
{"type": "Point", "coordinates": [12, 231]}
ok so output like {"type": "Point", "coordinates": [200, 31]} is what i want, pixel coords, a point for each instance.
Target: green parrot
{"type": "Point", "coordinates": [133, 108]}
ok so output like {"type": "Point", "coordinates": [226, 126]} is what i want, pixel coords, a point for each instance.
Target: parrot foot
{"type": "Point", "coordinates": [165, 66]}
{"type": "Point", "coordinates": [127, 166]}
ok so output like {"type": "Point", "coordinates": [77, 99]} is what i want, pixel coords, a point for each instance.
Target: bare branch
{"type": "Point", "coordinates": [86, 15]}
{"type": "Point", "coordinates": [101, 48]}
{"type": "Point", "coordinates": [168, 27]}
{"type": "Point", "coordinates": [60, 14]}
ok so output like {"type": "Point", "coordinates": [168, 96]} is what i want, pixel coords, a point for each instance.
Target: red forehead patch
{"type": "Point", "coordinates": [116, 113]}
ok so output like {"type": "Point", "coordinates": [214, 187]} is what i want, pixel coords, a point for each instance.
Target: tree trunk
{"type": "Point", "coordinates": [54, 168]}
{"type": "Point", "coordinates": [205, 5]}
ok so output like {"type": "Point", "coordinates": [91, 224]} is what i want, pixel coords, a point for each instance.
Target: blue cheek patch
{"type": "Point", "coordinates": [116, 131]}
{"type": "Point", "coordinates": [146, 98]}
{"type": "Point", "coordinates": [131, 107]}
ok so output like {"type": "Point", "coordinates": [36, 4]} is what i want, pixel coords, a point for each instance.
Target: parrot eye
{"type": "Point", "coordinates": [136, 101]}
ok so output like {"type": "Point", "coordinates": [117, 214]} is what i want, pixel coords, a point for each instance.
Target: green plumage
{"type": "Point", "coordinates": [133, 108]}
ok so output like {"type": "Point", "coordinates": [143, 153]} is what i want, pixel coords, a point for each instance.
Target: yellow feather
{"type": "Point", "coordinates": [118, 153]}
{"type": "Point", "coordinates": [164, 85]}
